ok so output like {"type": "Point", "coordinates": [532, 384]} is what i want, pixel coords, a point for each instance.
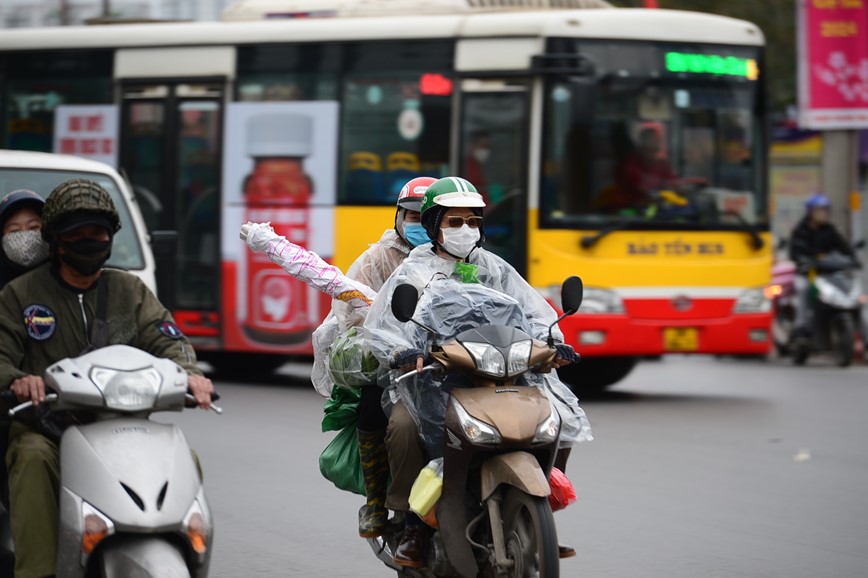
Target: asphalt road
{"type": "Point", "coordinates": [700, 468]}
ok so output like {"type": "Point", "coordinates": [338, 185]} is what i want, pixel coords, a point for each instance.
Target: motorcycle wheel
{"type": "Point", "coordinates": [530, 535]}
{"type": "Point", "coordinates": [843, 338]}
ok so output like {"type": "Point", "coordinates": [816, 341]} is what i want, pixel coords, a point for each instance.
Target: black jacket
{"type": "Point", "coordinates": [808, 242]}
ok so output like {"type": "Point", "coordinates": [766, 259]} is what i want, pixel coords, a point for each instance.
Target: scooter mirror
{"type": "Point", "coordinates": [572, 292]}
{"type": "Point", "coordinates": [860, 244]}
{"type": "Point", "coordinates": [404, 301]}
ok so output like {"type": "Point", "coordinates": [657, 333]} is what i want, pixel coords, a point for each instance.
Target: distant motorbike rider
{"type": "Point", "coordinates": [372, 268]}
{"type": "Point", "coordinates": [813, 236]}
{"type": "Point", "coordinates": [62, 309]}
{"type": "Point", "coordinates": [452, 215]}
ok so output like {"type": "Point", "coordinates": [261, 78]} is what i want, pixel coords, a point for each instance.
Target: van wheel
{"type": "Point", "coordinates": [530, 535]}
{"type": "Point", "coordinates": [593, 375]}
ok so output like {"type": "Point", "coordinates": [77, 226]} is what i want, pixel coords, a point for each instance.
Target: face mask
{"type": "Point", "coordinates": [415, 234]}
{"type": "Point", "coordinates": [87, 256]}
{"type": "Point", "coordinates": [25, 248]}
{"type": "Point", "coordinates": [460, 242]}
{"type": "Point", "coordinates": [482, 155]}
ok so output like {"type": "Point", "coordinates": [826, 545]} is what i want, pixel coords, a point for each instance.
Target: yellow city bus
{"type": "Point", "coordinates": [625, 146]}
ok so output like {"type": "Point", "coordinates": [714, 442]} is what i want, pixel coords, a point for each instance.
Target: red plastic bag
{"type": "Point", "coordinates": [563, 494]}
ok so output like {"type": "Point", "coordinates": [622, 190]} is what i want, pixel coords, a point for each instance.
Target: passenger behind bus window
{"type": "Point", "coordinates": [478, 152]}
{"type": "Point", "coordinates": [643, 171]}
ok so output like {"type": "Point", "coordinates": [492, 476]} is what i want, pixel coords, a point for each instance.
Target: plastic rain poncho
{"type": "Point", "coordinates": [335, 339]}
{"type": "Point", "coordinates": [449, 304]}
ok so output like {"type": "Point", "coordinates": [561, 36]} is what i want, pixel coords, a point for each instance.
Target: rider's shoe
{"type": "Point", "coordinates": [566, 551]}
{"type": "Point", "coordinates": [375, 467]}
{"type": "Point", "coordinates": [410, 552]}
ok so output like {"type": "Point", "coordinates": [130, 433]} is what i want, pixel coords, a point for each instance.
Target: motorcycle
{"type": "Point", "coordinates": [500, 438]}
{"type": "Point", "coordinates": [835, 301]}
{"type": "Point", "coordinates": [131, 496]}
{"type": "Point", "coordinates": [782, 294]}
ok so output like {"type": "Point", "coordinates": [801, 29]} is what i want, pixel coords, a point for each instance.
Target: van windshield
{"type": "Point", "coordinates": [126, 250]}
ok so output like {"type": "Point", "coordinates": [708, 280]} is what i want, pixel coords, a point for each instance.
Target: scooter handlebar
{"type": "Point", "coordinates": [51, 397]}
{"type": "Point", "coordinates": [216, 409]}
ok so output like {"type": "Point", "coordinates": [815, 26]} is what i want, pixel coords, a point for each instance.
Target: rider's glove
{"type": "Point", "coordinates": [257, 235]}
{"type": "Point", "coordinates": [566, 352]}
{"type": "Point", "coordinates": [408, 357]}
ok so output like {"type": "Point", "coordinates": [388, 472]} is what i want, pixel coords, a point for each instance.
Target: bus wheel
{"type": "Point", "coordinates": [593, 375]}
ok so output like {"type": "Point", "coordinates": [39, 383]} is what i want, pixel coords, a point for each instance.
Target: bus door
{"type": "Point", "coordinates": [170, 151]}
{"type": "Point", "coordinates": [493, 155]}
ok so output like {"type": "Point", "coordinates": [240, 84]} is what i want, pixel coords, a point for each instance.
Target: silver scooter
{"type": "Point", "coordinates": [131, 496]}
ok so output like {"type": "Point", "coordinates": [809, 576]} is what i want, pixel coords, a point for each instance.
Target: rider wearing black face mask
{"type": "Point", "coordinates": [61, 309]}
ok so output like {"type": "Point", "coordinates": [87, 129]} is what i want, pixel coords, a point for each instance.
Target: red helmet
{"type": "Point", "coordinates": [410, 197]}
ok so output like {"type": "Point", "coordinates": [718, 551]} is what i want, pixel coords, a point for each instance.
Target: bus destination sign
{"type": "Point", "coordinates": [712, 64]}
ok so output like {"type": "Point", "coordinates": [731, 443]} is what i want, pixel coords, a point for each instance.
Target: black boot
{"type": "Point", "coordinates": [375, 467]}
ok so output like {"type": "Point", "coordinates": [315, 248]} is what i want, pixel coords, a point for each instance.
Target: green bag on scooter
{"type": "Point", "coordinates": [340, 462]}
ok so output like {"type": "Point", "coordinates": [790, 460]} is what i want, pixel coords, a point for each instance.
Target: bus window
{"type": "Point", "coordinates": [395, 121]}
{"type": "Point", "coordinates": [653, 146]}
{"type": "Point", "coordinates": [37, 83]}
{"type": "Point", "coordinates": [494, 146]}
{"type": "Point", "coordinates": [281, 72]}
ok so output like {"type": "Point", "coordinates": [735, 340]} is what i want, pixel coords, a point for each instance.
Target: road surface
{"type": "Point", "coordinates": [701, 468]}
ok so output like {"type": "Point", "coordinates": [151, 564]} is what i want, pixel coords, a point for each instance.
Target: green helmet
{"type": "Point", "coordinates": [451, 192]}
{"type": "Point", "coordinates": [76, 203]}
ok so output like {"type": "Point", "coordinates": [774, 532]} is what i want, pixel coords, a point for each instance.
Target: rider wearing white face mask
{"type": "Point", "coordinates": [452, 216]}
{"type": "Point", "coordinates": [21, 245]}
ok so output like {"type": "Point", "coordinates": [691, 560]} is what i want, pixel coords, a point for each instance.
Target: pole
{"type": "Point", "coordinates": [64, 12]}
{"type": "Point", "coordinates": [106, 8]}
{"type": "Point", "coordinates": [840, 176]}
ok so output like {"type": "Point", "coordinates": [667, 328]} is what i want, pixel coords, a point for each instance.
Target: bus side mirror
{"type": "Point", "coordinates": [404, 301]}
{"type": "Point", "coordinates": [572, 292]}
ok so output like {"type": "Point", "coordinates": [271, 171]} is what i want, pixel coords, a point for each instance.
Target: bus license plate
{"type": "Point", "coordinates": [680, 339]}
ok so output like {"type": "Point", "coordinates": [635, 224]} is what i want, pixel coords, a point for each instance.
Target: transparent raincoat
{"type": "Point", "coordinates": [453, 298]}
{"type": "Point", "coordinates": [339, 353]}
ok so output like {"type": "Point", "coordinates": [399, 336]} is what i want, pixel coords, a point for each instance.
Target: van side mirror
{"type": "Point", "coordinates": [572, 293]}
{"type": "Point", "coordinates": [164, 243]}
{"type": "Point", "coordinates": [404, 301]}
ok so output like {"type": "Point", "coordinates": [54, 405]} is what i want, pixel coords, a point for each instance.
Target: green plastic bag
{"type": "Point", "coordinates": [340, 462]}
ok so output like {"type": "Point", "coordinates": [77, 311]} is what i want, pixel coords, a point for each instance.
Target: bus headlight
{"type": "Point", "coordinates": [596, 300]}
{"type": "Point", "coordinates": [752, 301]}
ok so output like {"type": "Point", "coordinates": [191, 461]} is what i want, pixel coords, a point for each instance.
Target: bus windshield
{"type": "Point", "coordinates": [653, 148]}
{"type": "Point", "coordinates": [126, 252]}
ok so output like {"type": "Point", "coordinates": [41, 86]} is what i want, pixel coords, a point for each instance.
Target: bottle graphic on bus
{"type": "Point", "coordinates": [278, 190]}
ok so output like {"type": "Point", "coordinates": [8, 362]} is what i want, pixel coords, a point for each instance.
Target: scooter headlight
{"type": "Point", "coordinates": [487, 357]}
{"type": "Point", "coordinates": [519, 357]}
{"type": "Point", "coordinates": [475, 430]}
{"type": "Point", "coordinates": [548, 429]}
{"type": "Point", "coordinates": [128, 390]}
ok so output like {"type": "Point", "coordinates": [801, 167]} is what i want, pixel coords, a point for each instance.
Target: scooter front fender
{"type": "Point", "coordinates": [142, 557]}
{"type": "Point", "coordinates": [518, 469]}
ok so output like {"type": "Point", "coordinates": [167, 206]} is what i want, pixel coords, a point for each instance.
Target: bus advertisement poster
{"type": "Point", "coordinates": [279, 166]}
{"type": "Point", "coordinates": [89, 131]}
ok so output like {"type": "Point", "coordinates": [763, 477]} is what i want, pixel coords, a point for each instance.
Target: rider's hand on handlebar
{"type": "Point", "coordinates": [410, 360]}
{"type": "Point", "coordinates": [201, 388]}
{"type": "Point", "coordinates": [565, 355]}
{"type": "Point", "coordinates": [29, 388]}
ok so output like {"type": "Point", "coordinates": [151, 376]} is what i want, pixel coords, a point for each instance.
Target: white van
{"type": "Point", "coordinates": [42, 172]}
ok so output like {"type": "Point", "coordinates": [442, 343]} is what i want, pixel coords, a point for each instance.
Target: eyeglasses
{"type": "Point", "coordinates": [473, 222]}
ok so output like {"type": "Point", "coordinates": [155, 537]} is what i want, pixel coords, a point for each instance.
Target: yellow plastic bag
{"type": "Point", "coordinates": [427, 488]}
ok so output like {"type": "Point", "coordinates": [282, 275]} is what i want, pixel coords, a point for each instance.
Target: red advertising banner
{"type": "Point", "coordinates": [833, 64]}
